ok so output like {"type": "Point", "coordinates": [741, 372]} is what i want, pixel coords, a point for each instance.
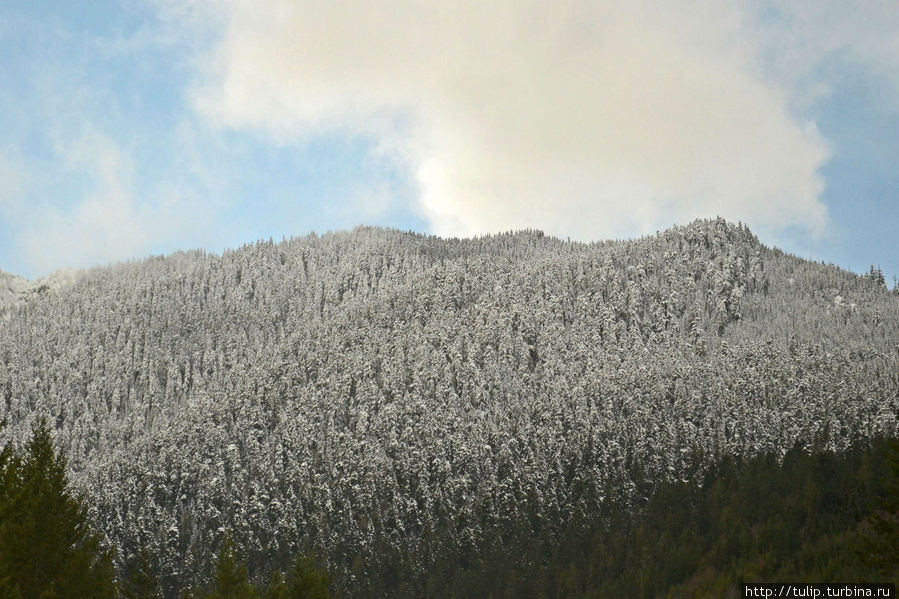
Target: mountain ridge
{"type": "Point", "coordinates": [374, 393]}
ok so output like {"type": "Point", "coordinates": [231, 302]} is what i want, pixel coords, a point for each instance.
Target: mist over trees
{"type": "Point", "coordinates": [385, 400]}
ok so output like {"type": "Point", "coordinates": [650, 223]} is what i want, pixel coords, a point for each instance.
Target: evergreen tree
{"type": "Point", "coordinates": [876, 275]}
{"type": "Point", "coordinates": [46, 546]}
{"type": "Point", "coordinates": [277, 588]}
{"type": "Point", "coordinates": [9, 472]}
{"type": "Point", "coordinates": [230, 576]}
{"type": "Point", "coordinates": [880, 538]}
{"type": "Point", "coordinates": [140, 580]}
{"type": "Point", "coordinates": [306, 581]}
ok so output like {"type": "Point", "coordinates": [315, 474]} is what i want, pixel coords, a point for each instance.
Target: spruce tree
{"type": "Point", "coordinates": [140, 580]}
{"type": "Point", "coordinates": [47, 548]}
{"type": "Point", "coordinates": [880, 536]}
{"type": "Point", "coordinates": [230, 576]}
{"type": "Point", "coordinates": [9, 474]}
{"type": "Point", "coordinates": [306, 581]}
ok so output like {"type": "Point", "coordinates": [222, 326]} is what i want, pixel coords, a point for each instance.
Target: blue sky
{"type": "Point", "coordinates": [131, 127]}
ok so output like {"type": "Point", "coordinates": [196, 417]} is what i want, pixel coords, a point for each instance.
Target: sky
{"type": "Point", "coordinates": [138, 127]}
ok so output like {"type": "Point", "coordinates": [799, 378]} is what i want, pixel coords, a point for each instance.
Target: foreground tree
{"type": "Point", "coordinates": [47, 548]}
{"type": "Point", "coordinates": [880, 534]}
{"type": "Point", "coordinates": [139, 580]}
{"type": "Point", "coordinates": [304, 581]}
{"type": "Point", "coordinates": [231, 576]}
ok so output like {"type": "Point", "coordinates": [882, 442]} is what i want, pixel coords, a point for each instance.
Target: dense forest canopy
{"type": "Point", "coordinates": [381, 398]}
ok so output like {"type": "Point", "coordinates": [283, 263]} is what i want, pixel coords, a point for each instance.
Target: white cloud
{"type": "Point", "coordinates": [582, 118]}
{"type": "Point", "coordinates": [807, 46]}
{"type": "Point", "coordinates": [108, 222]}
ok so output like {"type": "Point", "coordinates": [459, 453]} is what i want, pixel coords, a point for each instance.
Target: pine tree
{"type": "Point", "coordinates": [880, 538]}
{"type": "Point", "coordinates": [230, 576]}
{"type": "Point", "coordinates": [277, 588]}
{"type": "Point", "coordinates": [140, 580]}
{"type": "Point", "coordinates": [46, 546]}
{"type": "Point", "coordinates": [9, 474]}
{"type": "Point", "coordinates": [306, 581]}
{"type": "Point", "coordinates": [876, 275]}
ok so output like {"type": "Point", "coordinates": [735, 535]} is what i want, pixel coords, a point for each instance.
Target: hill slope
{"type": "Point", "coordinates": [15, 291]}
{"type": "Point", "coordinates": [12, 288]}
{"type": "Point", "coordinates": [384, 398]}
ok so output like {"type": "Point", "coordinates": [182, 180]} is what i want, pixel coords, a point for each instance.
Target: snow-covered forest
{"type": "Point", "coordinates": [382, 398]}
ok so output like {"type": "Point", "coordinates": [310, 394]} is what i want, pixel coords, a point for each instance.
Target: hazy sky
{"type": "Point", "coordinates": [136, 127]}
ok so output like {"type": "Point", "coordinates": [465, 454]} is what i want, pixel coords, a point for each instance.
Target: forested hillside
{"type": "Point", "coordinates": [386, 400]}
{"type": "Point", "coordinates": [14, 290]}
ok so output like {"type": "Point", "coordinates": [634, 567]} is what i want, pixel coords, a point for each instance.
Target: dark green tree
{"type": "Point", "coordinates": [306, 581]}
{"type": "Point", "coordinates": [47, 548]}
{"type": "Point", "coordinates": [880, 534]}
{"type": "Point", "coordinates": [9, 472]}
{"type": "Point", "coordinates": [140, 579]}
{"type": "Point", "coordinates": [277, 588]}
{"type": "Point", "coordinates": [230, 576]}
